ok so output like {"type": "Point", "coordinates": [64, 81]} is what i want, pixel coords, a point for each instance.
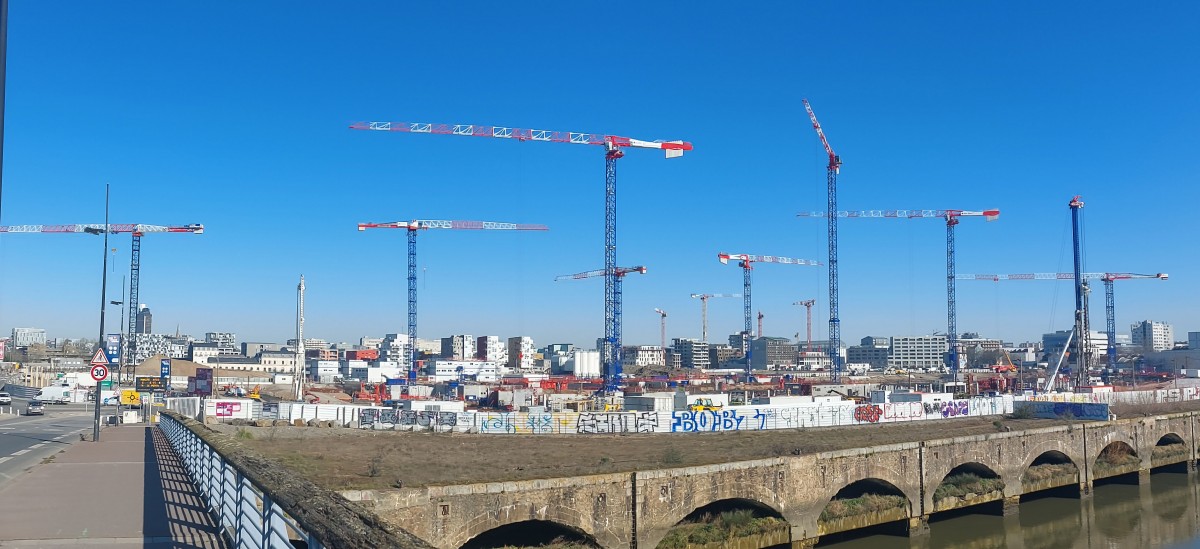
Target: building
{"type": "Point", "coordinates": [909, 352]}
{"type": "Point", "coordinates": [1052, 345]}
{"type": "Point", "coordinates": [875, 341]}
{"type": "Point", "coordinates": [1193, 340]}
{"type": "Point", "coordinates": [24, 337]}
{"type": "Point", "coordinates": [1152, 336]}
{"type": "Point", "coordinates": [693, 353]}
{"type": "Point", "coordinates": [395, 347]}
{"type": "Point", "coordinates": [456, 370]}
{"type": "Point", "coordinates": [773, 353]}
{"type": "Point", "coordinates": [491, 349]}
{"type": "Point", "coordinates": [722, 356]}
{"type": "Point", "coordinates": [521, 353]}
{"type": "Point", "coordinates": [200, 353]}
{"type": "Point", "coordinates": [309, 343]}
{"type": "Point", "coordinates": [633, 356]}
{"type": "Point", "coordinates": [875, 356]}
{"type": "Point", "coordinates": [226, 341]}
{"type": "Point", "coordinates": [148, 345]}
{"type": "Point", "coordinates": [740, 341]}
{"type": "Point", "coordinates": [370, 342]}
{"type": "Point", "coordinates": [142, 321]}
{"type": "Point", "coordinates": [458, 347]}
{"type": "Point", "coordinates": [252, 349]}
{"type": "Point", "coordinates": [582, 363]}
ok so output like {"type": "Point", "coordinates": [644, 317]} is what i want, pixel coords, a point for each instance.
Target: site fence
{"type": "Point", "coordinates": [244, 511]}
{"type": "Point", "coordinates": [735, 418]}
{"type": "Point", "coordinates": [1157, 396]}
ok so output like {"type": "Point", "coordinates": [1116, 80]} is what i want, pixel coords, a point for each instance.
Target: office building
{"type": "Point", "coordinates": [874, 356]}
{"type": "Point", "coordinates": [142, 320]}
{"type": "Point", "coordinates": [458, 347]}
{"type": "Point", "coordinates": [1053, 343]}
{"type": "Point", "coordinates": [463, 370]}
{"type": "Point", "coordinates": [693, 353]}
{"type": "Point", "coordinates": [24, 337]}
{"type": "Point", "coordinates": [909, 352]}
{"type": "Point", "coordinates": [773, 353]}
{"type": "Point", "coordinates": [1152, 336]}
{"type": "Point", "coordinates": [722, 356]}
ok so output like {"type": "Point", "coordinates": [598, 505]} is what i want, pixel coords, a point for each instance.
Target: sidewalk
{"type": "Point", "coordinates": [128, 490]}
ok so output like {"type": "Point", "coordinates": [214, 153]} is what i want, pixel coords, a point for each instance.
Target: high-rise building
{"type": "Point", "coordinates": [521, 353]}
{"type": "Point", "coordinates": [226, 341]}
{"type": "Point", "coordinates": [458, 347]}
{"type": "Point", "coordinates": [773, 353]}
{"type": "Point", "coordinates": [141, 323]}
{"type": "Point", "coordinates": [489, 348]}
{"type": "Point", "coordinates": [693, 353]}
{"type": "Point", "coordinates": [1151, 335]}
{"type": "Point", "coordinates": [24, 337]}
{"type": "Point", "coordinates": [395, 347]}
{"type": "Point", "coordinates": [918, 352]}
{"type": "Point", "coordinates": [1193, 340]}
{"type": "Point", "coordinates": [642, 355]}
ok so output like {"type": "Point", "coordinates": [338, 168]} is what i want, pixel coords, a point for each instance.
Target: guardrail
{"type": "Point", "coordinates": [244, 511]}
{"type": "Point", "coordinates": [292, 512]}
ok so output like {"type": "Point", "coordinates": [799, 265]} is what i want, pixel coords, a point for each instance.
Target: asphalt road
{"type": "Point", "coordinates": [26, 440]}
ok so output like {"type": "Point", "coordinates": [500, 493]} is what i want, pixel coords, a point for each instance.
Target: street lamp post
{"type": "Point", "coordinates": [103, 305]}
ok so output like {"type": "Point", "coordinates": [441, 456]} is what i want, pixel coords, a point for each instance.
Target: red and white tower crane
{"type": "Point", "coordinates": [412, 227]}
{"type": "Point", "coordinates": [704, 311]}
{"type": "Point", "coordinates": [835, 323]}
{"type": "Point", "coordinates": [951, 217]}
{"type": "Point", "coordinates": [662, 317]}
{"type": "Point", "coordinates": [745, 261]}
{"type": "Point", "coordinates": [613, 149]}
{"type": "Point", "coordinates": [808, 305]}
{"type": "Point", "coordinates": [1110, 309]}
{"type": "Point", "coordinates": [135, 261]}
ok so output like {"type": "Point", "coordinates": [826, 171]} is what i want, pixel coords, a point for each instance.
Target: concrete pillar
{"type": "Point", "coordinates": [918, 526]}
{"type": "Point", "coordinates": [1085, 490]}
{"type": "Point", "coordinates": [805, 543]}
{"type": "Point", "coordinates": [1143, 476]}
{"type": "Point", "coordinates": [1012, 506]}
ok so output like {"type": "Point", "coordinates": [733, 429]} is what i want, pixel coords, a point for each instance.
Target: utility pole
{"type": "Point", "coordinates": [103, 306]}
{"type": "Point", "coordinates": [300, 353]}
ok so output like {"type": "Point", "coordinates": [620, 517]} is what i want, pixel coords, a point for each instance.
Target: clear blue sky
{"type": "Point", "coordinates": [235, 115]}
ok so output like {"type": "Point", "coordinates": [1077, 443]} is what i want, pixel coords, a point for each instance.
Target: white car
{"type": "Point", "coordinates": [5, 398]}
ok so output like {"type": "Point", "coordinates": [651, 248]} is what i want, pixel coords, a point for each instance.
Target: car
{"type": "Point", "coordinates": [5, 398]}
{"type": "Point", "coordinates": [35, 408]}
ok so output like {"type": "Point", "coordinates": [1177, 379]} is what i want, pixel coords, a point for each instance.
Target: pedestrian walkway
{"type": "Point", "coordinates": [128, 490]}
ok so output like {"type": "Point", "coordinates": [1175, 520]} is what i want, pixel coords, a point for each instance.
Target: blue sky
{"type": "Point", "coordinates": [235, 115]}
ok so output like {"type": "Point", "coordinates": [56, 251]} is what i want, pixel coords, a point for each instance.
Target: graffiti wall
{"type": "Point", "coordinates": [1060, 410]}
{"type": "Point", "coordinates": [735, 418]}
{"type": "Point", "coordinates": [1124, 397]}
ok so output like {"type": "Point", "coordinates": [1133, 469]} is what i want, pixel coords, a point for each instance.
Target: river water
{"type": "Point", "coordinates": [1163, 513]}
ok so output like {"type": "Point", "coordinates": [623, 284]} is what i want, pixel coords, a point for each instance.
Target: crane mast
{"type": "Point", "coordinates": [1082, 339]}
{"type": "Point", "coordinates": [663, 333]}
{"type": "Point", "coordinates": [613, 145]}
{"type": "Point", "coordinates": [704, 311]}
{"type": "Point", "coordinates": [611, 346]}
{"type": "Point", "coordinates": [835, 323]}
{"type": "Point", "coordinates": [808, 305]}
{"type": "Point", "coordinates": [745, 261]}
{"type": "Point", "coordinates": [411, 227]}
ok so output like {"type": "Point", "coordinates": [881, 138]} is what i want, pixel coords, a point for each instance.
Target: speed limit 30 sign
{"type": "Point", "coordinates": [99, 372]}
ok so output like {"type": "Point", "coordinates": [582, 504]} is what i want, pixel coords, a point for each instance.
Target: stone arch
{"type": "Point", "coordinates": [1116, 458]}
{"type": "Point", "coordinates": [873, 497]}
{"type": "Point", "coordinates": [529, 532]}
{"type": "Point", "coordinates": [496, 518]}
{"type": "Point", "coordinates": [1050, 469]}
{"type": "Point", "coordinates": [1169, 449]}
{"type": "Point", "coordinates": [967, 484]}
{"type": "Point", "coordinates": [758, 508]}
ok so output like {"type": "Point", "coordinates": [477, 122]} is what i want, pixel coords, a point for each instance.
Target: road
{"type": "Point", "coordinates": [27, 440]}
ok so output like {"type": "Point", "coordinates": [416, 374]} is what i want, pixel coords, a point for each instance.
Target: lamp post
{"type": "Point", "coordinates": [103, 305]}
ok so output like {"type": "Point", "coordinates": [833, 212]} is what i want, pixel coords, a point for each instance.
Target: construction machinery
{"type": "Point", "coordinates": [612, 374]}
{"type": "Point", "coordinates": [1110, 310]}
{"type": "Point", "coordinates": [613, 149]}
{"type": "Point", "coordinates": [704, 311]}
{"type": "Point", "coordinates": [808, 305]}
{"type": "Point", "coordinates": [745, 261]}
{"type": "Point", "coordinates": [832, 169]}
{"type": "Point", "coordinates": [412, 227]}
{"type": "Point", "coordinates": [137, 230]}
{"type": "Point", "coordinates": [255, 393]}
{"type": "Point", "coordinates": [662, 317]}
{"type": "Point", "coordinates": [704, 405]}
{"type": "Point", "coordinates": [952, 218]}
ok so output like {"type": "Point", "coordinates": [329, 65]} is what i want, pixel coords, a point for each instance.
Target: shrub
{"type": "Point", "coordinates": [1043, 471]}
{"type": "Point", "coordinates": [867, 503]}
{"type": "Point", "coordinates": [966, 483]}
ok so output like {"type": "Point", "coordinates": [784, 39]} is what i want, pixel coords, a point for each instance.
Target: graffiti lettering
{"type": "Point", "coordinates": [867, 413]}
{"type": "Point", "coordinates": [646, 422]}
{"type": "Point", "coordinates": [954, 408]}
{"type": "Point", "coordinates": [716, 420]}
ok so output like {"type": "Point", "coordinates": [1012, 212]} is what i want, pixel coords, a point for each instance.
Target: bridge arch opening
{"type": "Point", "coordinates": [531, 533]}
{"type": "Point", "coordinates": [968, 484]}
{"type": "Point", "coordinates": [1170, 453]}
{"type": "Point", "coordinates": [864, 507]}
{"type": "Point", "coordinates": [1051, 474]}
{"type": "Point", "coordinates": [727, 520]}
{"type": "Point", "coordinates": [1116, 461]}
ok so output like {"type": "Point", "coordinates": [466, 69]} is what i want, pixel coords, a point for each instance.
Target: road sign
{"type": "Point", "coordinates": [112, 346]}
{"type": "Point", "coordinates": [146, 384]}
{"type": "Point", "coordinates": [99, 371]}
{"type": "Point", "coordinates": [165, 368]}
{"type": "Point", "coordinates": [99, 359]}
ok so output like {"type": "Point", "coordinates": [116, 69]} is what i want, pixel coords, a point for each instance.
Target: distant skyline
{"type": "Point", "coordinates": [235, 116]}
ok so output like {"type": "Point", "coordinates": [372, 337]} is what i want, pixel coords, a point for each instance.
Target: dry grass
{"type": "Point", "coordinates": [966, 483]}
{"type": "Point", "coordinates": [718, 528]}
{"type": "Point", "coordinates": [1115, 456]}
{"type": "Point", "coordinates": [1152, 409]}
{"type": "Point", "coordinates": [1169, 453]}
{"type": "Point", "coordinates": [1043, 471]}
{"type": "Point", "coordinates": [867, 503]}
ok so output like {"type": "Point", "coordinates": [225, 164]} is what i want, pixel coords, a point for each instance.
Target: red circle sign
{"type": "Point", "coordinates": [99, 373]}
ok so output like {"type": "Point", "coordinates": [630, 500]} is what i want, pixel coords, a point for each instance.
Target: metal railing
{"type": "Point", "coordinates": [243, 510]}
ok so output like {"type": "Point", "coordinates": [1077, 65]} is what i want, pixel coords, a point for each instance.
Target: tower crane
{"type": "Point", "coordinates": [835, 324]}
{"type": "Point", "coordinates": [808, 305]}
{"type": "Point", "coordinates": [612, 370]}
{"type": "Point", "coordinates": [613, 150]}
{"type": "Point", "coordinates": [704, 311]}
{"type": "Point", "coordinates": [424, 224]}
{"type": "Point", "coordinates": [135, 262]}
{"type": "Point", "coordinates": [1110, 309]}
{"type": "Point", "coordinates": [951, 217]}
{"type": "Point", "coordinates": [663, 332]}
{"type": "Point", "coordinates": [745, 261]}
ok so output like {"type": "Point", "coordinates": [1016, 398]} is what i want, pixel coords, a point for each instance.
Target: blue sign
{"type": "Point", "coordinates": [112, 347]}
{"type": "Point", "coordinates": [166, 368]}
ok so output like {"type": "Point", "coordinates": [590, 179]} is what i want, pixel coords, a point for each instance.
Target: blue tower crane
{"type": "Point", "coordinates": [835, 323]}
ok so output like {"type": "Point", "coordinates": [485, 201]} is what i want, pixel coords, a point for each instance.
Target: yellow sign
{"type": "Point", "coordinates": [130, 397]}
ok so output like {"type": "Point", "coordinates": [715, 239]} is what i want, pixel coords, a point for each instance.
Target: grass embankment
{"type": "Point", "coordinates": [1169, 453]}
{"type": "Point", "coordinates": [1045, 471]}
{"type": "Point", "coordinates": [1114, 457]}
{"type": "Point", "coordinates": [866, 503]}
{"type": "Point", "coordinates": [966, 483]}
{"type": "Point", "coordinates": [725, 526]}
{"type": "Point", "coordinates": [559, 543]}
